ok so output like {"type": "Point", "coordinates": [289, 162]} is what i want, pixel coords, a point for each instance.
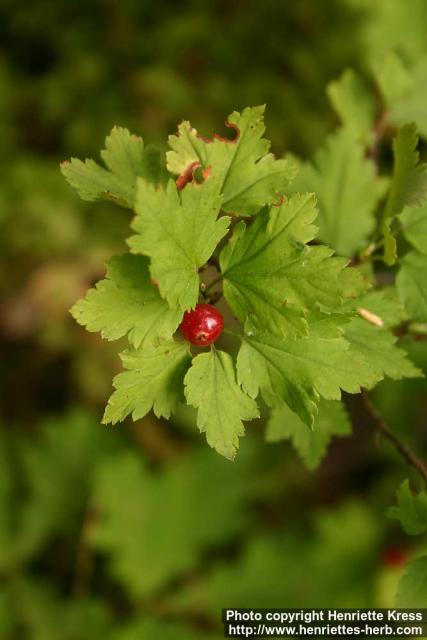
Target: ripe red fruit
{"type": "Point", "coordinates": [395, 557]}
{"type": "Point", "coordinates": [202, 325]}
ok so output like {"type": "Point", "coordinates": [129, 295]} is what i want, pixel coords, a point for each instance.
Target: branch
{"type": "Point", "coordinates": [214, 262]}
{"type": "Point", "coordinates": [212, 284]}
{"type": "Point", "coordinates": [214, 297]}
{"type": "Point", "coordinates": [415, 330]}
{"type": "Point", "coordinates": [385, 430]}
{"type": "Point", "coordinates": [379, 130]}
{"type": "Point", "coordinates": [207, 294]}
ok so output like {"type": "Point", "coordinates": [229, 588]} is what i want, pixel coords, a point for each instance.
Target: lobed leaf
{"type": "Point", "coordinates": [414, 226]}
{"type": "Point", "coordinates": [378, 347]}
{"type": "Point", "coordinates": [348, 192]}
{"type": "Point", "coordinates": [411, 510]}
{"type": "Point", "coordinates": [393, 78]}
{"type": "Point", "coordinates": [299, 371]}
{"type": "Point", "coordinates": [153, 379]}
{"type": "Point", "coordinates": [409, 181]}
{"type": "Point", "coordinates": [272, 276]}
{"type": "Point", "coordinates": [311, 444]}
{"type": "Point", "coordinates": [408, 185]}
{"type": "Point", "coordinates": [412, 589]}
{"type": "Point", "coordinates": [384, 303]}
{"type": "Point", "coordinates": [411, 283]}
{"type": "Point", "coordinates": [212, 388]}
{"type": "Point", "coordinates": [126, 158]}
{"type": "Point", "coordinates": [179, 231]}
{"type": "Point", "coordinates": [355, 105]}
{"type": "Point", "coordinates": [403, 88]}
{"type": "Point", "coordinates": [126, 302]}
{"type": "Point", "coordinates": [410, 107]}
{"type": "Point", "coordinates": [249, 176]}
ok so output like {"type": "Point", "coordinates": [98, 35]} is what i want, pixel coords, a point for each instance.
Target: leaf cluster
{"type": "Point", "coordinates": [230, 202]}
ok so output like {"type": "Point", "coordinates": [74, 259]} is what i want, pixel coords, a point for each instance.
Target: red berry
{"type": "Point", "coordinates": [395, 557]}
{"type": "Point", "coordinates": [202, 325]}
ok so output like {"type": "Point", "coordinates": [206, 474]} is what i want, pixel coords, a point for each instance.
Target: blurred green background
{"type": "Point", "coordinates": [141, 531]}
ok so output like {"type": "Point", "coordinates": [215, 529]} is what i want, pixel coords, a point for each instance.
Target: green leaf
{"type": "Point", "coordinates": [384, 303]}
{"type": "Point", "coordinates": [155, 526]}
{"type": "Point", "coordinates": [348, 192]}
{"type": "Point", "coordinates": [179, 232]}
{"type": "Point", "coordinates": [378, 347]}
{"type": "Point", "coordinates": [411, 511]}
{"type": "Point", "coordinates": [154, 380]}
{"type": "Point", "coordinates": [249, 176]}
{"type": "Point", "coordinates": [409, 181]}
{"type": "Point", "coordinates": [390, 242]}
{"type": "Point", "coordinates": [355, 105]}
{"type": "Point", "coordinates": [404, 90]}
{"type": "Point", "coordinates": [412, 589]}
{"type": "Point", "coordinates": [393, 78]}
{"type": "Point", "coordinates": [408, 186]}
{"type": "Point", "coordinates": [414, 225]}
{"type": "Point", "coordinates": [126, 158]}
{"type": "Point", "coordinates": [411, 283]}
{"type": "Point", "coordinates": [270, 274]}
{"type": "Point", "coordinates": [411, 106]}
{"type": "Point", "coordinates": [369, 333]}
{"type": "Point", "coordinates": [127, 303]}
{"type": "Point", "coordinates": [311, 444]}
{"type": "Point", "coordinates": [298, 371]}
{"type": "Point", "coordinates": [211, 387]}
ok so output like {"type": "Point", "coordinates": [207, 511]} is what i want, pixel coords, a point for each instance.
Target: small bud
{"type": "Point", "coordinates": [370, 317]}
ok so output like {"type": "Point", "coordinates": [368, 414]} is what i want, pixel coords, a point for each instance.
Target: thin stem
{"type": "Point", "coordinates": [379, 130]}
{"type": "Point", "coordinates": [213, 262]}
{"type": "Point", "coordinates": [418, 329]}
{"type": "Point", "coordinates": [213, 283]}
{"type": "Point", "coordinates": [385, 430]}
{"type": "Point", "coordinates": [415, 330]}
{"type": "Point", "coordinates": [233, 333]}
{"type": "Point", "coordinates": [214, 297]}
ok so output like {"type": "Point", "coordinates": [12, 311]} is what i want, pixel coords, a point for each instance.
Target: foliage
{"type": "Point", "coordinates": [311, 444]}
{"type": "Point", "coordinates": [299, 341]}
{"type": "Point", "coordinates": [412, 514]}
{"type": "Point", "coordinates": [309, 327]}
{"type": "Point", "coordinates": [347, 188]}
{"type": "Point", "coordinates": [143, 531]}
{"type": "Point", "coordinates": [116, 523]}
{"type": "Point", "coordinates": [412, 510]}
